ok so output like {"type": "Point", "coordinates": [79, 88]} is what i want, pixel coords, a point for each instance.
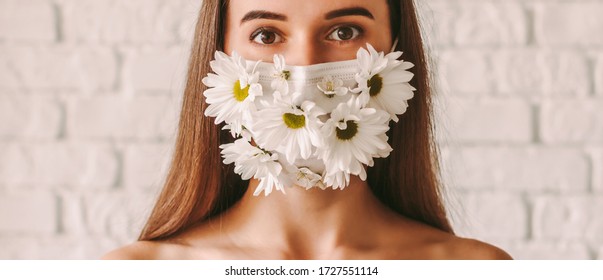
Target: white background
{"type": "Point", "coordinates": [90, 92]}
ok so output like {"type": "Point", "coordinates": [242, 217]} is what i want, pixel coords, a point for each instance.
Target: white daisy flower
{"type": "Point", "coordinates": [252, 162]}
{"type": "Point", "coordinates": [306, 178]}
{"type": "Point", "coordinates": [353, 135]}
{"type": "Point", "coordinates": [383, 81]}
{"type": "Point", "coordinates": [337, 180]}
{"type": "Point", "coordinates": [232, 89]}
{"type": "Point", "coordinates": [332, 86]}
{"type": "Point", "coordinates": [288, 129]}
{"type": "Point", "coordinates": [305, 173]}
{"type": "Point", "coordinates": [298, 142]}
{"type": "Point", "coordinates": [239, 130]}
{"type": "Point", "coordinates": [281, 75]}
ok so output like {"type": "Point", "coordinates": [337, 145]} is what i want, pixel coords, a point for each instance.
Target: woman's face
{"type": "Point", "coordinates": [306, 31]}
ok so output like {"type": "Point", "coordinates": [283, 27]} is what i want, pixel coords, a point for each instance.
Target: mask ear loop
{"type": "Point", "coordinates": [394, 45]}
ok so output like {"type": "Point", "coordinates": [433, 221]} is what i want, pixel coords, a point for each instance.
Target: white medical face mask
{"type": "Point", "coordinates": [308, 126]}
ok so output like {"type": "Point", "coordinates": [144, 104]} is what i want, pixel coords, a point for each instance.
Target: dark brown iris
{"type": "Point", "coordinates": [345, 33]}
{"type": "Point", "coordinates": [268, 37]}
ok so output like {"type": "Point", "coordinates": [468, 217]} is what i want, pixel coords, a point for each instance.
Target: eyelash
{"type": "Point", "coordinates": [260, 30]}
{"type": "Point", "coordinates": [357, 28]}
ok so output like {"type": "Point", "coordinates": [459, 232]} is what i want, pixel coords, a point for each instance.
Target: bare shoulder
{"type": "Point", "coordinates": [471, 249]}
{"type": "Point", "coordinates": [422, 241]}
{"type": "Point", "coordinates": [145, 250]}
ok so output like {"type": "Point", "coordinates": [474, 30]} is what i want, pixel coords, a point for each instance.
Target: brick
{"type": "Point", "coordinates": [572, 121]}
{"type": "Point", "coordinates": [491, 217]}
{"type": "Point", "coordinates": [156, 69]}
{"type": "Point", "coordinates": [145, 165]}
{"type": "Point", "coordinates": [18, 248]}
{"type": "Point", "coordinates": [112, 218]}
{"type": "Point", "coordinates": [569, 24]}
{"type": "Point", "coordinates": [490, 24]}
{"type": "Point", "coordinates": [487, 121]}
{"type": "Point", "coordinates": [134, 21]}
{"type": "Point", "coordinates": [58, 165]}
{"type": "Point", "coordinates": [568, 218]}
{"type": "Point", "coordinates": [29, 117]}
{"type": "Point", "coordinates": [466, 72]}
{"type": "Point", "coordinates": [28, 213]}
{"type": "Point", "coordinates": [124, 118]}
{"type": "Point", "coordinates": [539, 250]}
{"type": "Point", "coordinates": [57, 67]}
{"type": "Point", "coordinates": [27, 21]}
{"type": "Point", "coordinates": [525, 169]}
{"type": "Point", "coordinates": [16, 163]}
{"type": "Point", "coordinates": [120, 216]}
{"type": "Point", "coordinates": [538, 72]}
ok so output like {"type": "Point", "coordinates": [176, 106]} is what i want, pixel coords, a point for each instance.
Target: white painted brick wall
{"type": "Point", "coordinates": [60, 165]}
{"type": "Point", "coordinates": [155, 70]}
{"type": "Point", "coordinates": [29, 117]}
{"type": "Point", "coordinates": [128, 22]}
{"type": "Point", "coordinates": [572, 121]}
{"type": "Point", "coordinates": [115, 214]}
{"type": "Point", "coordinates": [27, 21]}
{"type": "Point", "coordinates": [459, 69]}
{"type": "Point", "coordinates": [28, 213]}
{"type": "Point", "coordinates": [489, 24]}
{"type": "Point", "coordinates": [145, 165]}
{"type": "Point", "coordinates": [568, 23]}
{"type": "Point", "coordinates": [534, 71]}
{"type": "Point", "coordinates": [90, 92]}
{"type": "Point", "coordinates": [475, 211]}
{"type": "Point", "coordinates": [130, 118]}
{"type": "Point", "coordinates": [518, 169]}
{"type": "Point", "coordinates": [529, 72]}
{"type": "Point", "coordinates": [40, 67]}
{"type": "Point", "coordinates": [489, 120]}
{"type": "Point", "coordinates": [571, 217]}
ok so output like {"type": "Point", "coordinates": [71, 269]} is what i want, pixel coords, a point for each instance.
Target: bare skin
{"type": "Point", "coordinates": [314, 224]}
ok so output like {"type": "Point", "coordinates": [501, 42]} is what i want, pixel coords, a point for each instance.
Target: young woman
{"type": "Point", "coordinates": [206, 211]}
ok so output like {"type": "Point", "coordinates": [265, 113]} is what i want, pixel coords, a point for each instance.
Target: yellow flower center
{"type": "Point", "coordinates": [348, 133]}
{"type": "Point", "coordinates": [240, 94]}
{"type": "Point", "coordinates": [375, 84]}
{"type": "Point", "coordinates": [294, 121]}
{"type": "Point", "coordinates": [330, 86]}
{"type": "Point", "coordinates": [286, 74]}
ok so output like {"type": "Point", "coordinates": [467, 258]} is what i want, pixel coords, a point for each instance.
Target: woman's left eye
{"type": "Point", "coordinates": [344, 33]}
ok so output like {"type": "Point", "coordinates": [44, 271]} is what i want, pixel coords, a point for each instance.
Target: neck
{"type": "Point", "coordinates": [311, 223]}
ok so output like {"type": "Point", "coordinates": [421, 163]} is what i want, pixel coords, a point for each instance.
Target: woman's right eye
{"type": "Point", "coordinates": [266, 37]}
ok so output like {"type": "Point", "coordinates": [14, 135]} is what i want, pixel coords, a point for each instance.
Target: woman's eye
{"type": "Point", "coordinates": [266, 37]}
{"type": "Point", "coordinates": [344, 33]}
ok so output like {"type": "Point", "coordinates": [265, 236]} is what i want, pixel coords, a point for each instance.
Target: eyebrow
{"type": "Point", "coordinates": [353, 11]}
{"type": "Point", "coordinates": [261, 14]}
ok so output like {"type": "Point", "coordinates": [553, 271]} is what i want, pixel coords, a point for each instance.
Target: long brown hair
{"type": "Point", "coordinates": [199, 187]}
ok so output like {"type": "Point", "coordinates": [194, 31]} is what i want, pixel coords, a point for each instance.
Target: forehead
{"type": "Point", "coordinates": [303, 11]}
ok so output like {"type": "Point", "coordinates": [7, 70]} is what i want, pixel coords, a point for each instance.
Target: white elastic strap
{"type": "Point", "coordinates": [394, 45]}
